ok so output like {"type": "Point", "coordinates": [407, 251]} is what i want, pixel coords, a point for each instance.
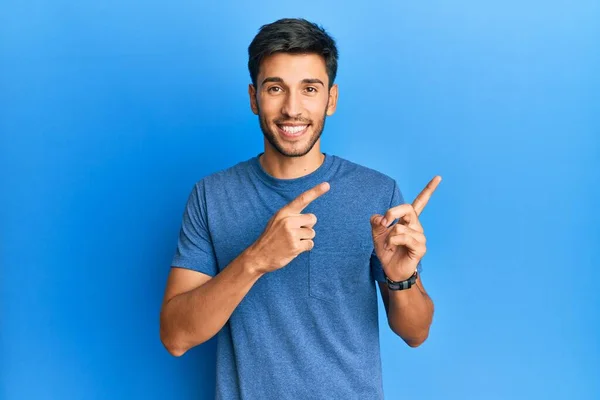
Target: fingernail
{"type": "Point", "coordinates": [384, 222]}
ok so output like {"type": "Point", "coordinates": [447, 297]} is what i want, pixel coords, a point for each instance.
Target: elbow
{"type": "Point", "coordinates": [171, 346]}
{"type": "Point", "coordinates": [169, 340]}
{"type": "Point", "coordinates": [175, 352]}
{"type": "Point", "coordinates": [412, 339]}
{"type": "Point", "coordinates": [415, 342]}
{"type": "Point", "coordinates": [175, 342]}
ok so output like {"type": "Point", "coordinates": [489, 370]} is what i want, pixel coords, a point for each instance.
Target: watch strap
{"type": "Point", "coordinates": [401, 285]}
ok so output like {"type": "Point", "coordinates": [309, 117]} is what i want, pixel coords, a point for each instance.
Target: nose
{"type": "Point", "coordinates": [292, 106]}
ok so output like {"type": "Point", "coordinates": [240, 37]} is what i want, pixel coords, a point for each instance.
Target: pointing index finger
{"type": "Point", "coordinates": [423, 197]}
{"type": "Point", "coordinates": [302, 201]}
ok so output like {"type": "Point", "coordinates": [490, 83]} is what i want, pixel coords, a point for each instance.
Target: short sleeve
{"type": "Point", "coordinates": [376, 267]}
{"type": "Point", "coordinates": [194, 247]}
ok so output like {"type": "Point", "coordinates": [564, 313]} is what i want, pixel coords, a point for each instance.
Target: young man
{"type": "Point", "coordinates": [279, 254]}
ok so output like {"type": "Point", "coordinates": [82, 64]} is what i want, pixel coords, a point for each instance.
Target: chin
{"type": "Point", "coordinates": [298, 149]}
{"type": "Point", "coordinates": [291, 152]}
{"type": "Point", "coordinates": [290, 147]}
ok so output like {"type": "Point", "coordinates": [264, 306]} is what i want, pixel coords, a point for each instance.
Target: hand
{"type": "Point", "coordinates": [401, 246]}
{"type": "Point", "coordinates": [288, 232]}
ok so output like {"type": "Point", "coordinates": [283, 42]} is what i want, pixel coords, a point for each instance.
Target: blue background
{"type": "Point", "coordinates": [110, 111]}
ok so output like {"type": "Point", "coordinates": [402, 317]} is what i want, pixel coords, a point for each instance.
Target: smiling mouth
{"type": "Point", "coordinates": [292, 131]}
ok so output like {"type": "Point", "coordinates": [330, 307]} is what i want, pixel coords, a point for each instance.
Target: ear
{"type": "Point", "coordinates": [333, 97]}
{"type": "Point", "coordinates": [253, 101]}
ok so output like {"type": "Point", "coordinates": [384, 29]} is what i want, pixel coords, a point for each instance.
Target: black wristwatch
{"type": "Point", "coordinates": [401, 285]}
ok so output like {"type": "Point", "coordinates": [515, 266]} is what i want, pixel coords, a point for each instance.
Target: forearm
{"type": "Point", "coordinates": [410, 314]}
{"type": "Point", "coordinates": [193, 317]}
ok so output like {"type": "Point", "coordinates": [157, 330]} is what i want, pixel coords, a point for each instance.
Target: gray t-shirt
{"type": "Point", "coordinates": [310, 329]}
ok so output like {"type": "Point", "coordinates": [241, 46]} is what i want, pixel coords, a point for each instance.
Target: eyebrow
{"type": "Point", "coordinates": [279, 80]}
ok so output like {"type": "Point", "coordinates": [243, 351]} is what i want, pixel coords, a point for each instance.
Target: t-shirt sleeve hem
{"type": "Point", "coordinates": [179, 262]}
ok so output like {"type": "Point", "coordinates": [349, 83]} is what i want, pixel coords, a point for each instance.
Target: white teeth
{"type": "Point", "coordinates": [293, 129]}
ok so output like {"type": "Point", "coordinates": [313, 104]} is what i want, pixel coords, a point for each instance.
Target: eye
{"type": "Point", "coordinates": [311, 89]}
{"type": "Point", "coordinates": [274, 87]}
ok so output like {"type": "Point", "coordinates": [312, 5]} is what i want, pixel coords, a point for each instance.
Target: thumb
{"type": "Point", "coordinates": [376, 226]}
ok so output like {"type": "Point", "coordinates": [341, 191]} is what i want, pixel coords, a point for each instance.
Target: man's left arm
{"type": "Point", "coordinates": [409, 312]}
{"type": "Point", "coordinates": [399, 248]}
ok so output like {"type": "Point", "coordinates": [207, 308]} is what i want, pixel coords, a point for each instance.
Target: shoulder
{"type": "Point", "coordinates": [225, 176]}
{"type": "Point", "coordinates": [365, 176]}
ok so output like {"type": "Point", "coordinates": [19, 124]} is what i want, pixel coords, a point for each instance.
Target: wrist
{"type": "Point", "coordinates": [253, 263]}
{"type": "Point", "coordinates": [397, 276]}
{"type": "Point", "coordinates": [401, 284]}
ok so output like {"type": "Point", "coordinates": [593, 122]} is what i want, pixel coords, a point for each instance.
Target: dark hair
{"type": "Point", "coordinates": [296, 36]}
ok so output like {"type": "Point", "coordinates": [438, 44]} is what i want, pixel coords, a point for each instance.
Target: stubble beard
{"type": "Point", "coordinates": [272, 137]}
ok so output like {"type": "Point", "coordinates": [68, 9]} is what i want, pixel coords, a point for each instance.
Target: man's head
{"type": "Point", "coordinates": [292, 64]}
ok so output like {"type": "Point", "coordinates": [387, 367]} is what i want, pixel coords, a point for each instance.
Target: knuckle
{"type": "Point", "coordinates": [296, 246]}
{"type": "Point", "coordinates": [281, 214]}
{"type": "Point", "coordinates": [302, 246]}
{"type": "Point", "coordinates": [287, 223]}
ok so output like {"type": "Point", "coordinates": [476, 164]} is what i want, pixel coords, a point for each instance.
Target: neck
{"type": "Point", "coordinates": [284, 167]}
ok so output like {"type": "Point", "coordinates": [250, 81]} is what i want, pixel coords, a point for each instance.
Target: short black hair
{"type": "Point", "coordinates": [296, 36]}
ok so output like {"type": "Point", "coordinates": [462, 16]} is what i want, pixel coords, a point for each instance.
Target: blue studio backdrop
{"type": "Point", "coordinates": [111, 111]}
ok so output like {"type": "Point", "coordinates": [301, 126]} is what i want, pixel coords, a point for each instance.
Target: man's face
{"type": "Point", "coordinates": [292, 101]}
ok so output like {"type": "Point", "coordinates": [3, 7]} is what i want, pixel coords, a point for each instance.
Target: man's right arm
{"type": "Point", "coordinates": [196, 306]}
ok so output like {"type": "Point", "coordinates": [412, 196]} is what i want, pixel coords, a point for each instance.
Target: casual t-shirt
{"type": "Point", "coordinates": [310, 329]}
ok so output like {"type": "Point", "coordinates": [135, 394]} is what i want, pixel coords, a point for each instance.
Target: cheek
{"type": "Point", "coordinates": [317, 106]}
{"type": "Point", "coordinates": [269, 108]}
